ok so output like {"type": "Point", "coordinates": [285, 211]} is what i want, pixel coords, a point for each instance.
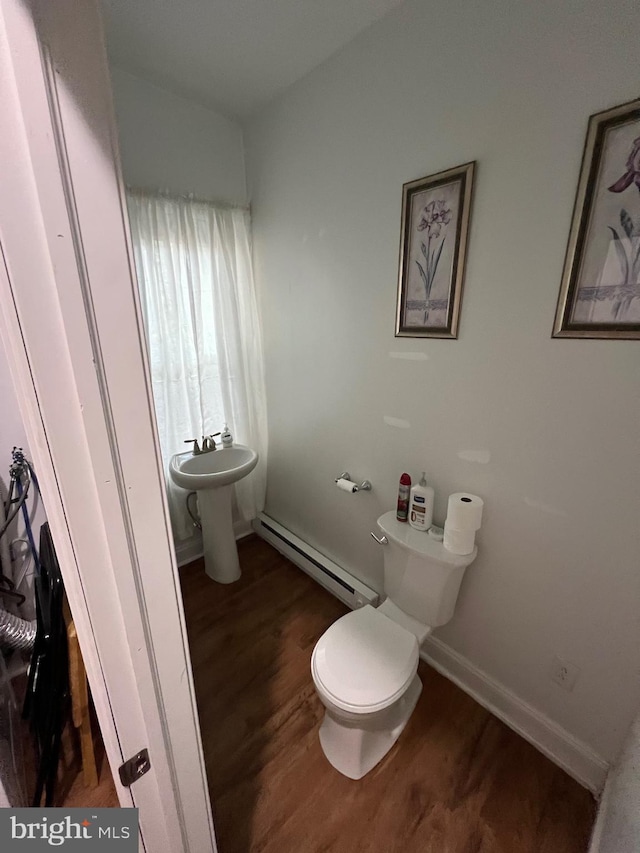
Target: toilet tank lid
{"type": "Point", "coordinates": [419, 541]}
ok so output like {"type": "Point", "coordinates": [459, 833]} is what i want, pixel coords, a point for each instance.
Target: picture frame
{"type": "Point", "coordinates": [436, 212]}
{"type": "Point", "coordinates": [600, 289]}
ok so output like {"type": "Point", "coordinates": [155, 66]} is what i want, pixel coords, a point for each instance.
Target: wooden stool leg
{"type": "Point", "coordinates": [80, 708]}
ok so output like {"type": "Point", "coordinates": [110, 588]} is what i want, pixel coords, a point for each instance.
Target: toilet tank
{"type": "Point", "coordinates": [421, 577]}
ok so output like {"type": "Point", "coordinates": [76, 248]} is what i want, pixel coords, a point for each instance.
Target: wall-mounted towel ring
{"type": "Point", "coordinates": [345, 483]}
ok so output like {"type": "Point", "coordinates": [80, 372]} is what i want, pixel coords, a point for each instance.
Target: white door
{"type": "Point", "coordinates": [71, 324]}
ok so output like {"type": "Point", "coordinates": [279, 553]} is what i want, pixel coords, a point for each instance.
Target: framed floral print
{"type": "Point", "coordinates": [433, 244]}
{"type": "Point", "coordinates": [600, 290]}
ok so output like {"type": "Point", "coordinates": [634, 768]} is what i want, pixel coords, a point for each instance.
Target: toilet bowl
{"type": "Point", "coordinates": [365, 665]}
{"type": "Point", "coordinates": [364, 668]}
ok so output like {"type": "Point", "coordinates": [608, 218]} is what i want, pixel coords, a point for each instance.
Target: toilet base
{"type": "Point", "coordinates": [354, 743]}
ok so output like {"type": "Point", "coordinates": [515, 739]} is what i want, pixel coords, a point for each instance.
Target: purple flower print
{"type": "Point", "coordinates": [435, 216]}
{"type": "Point", "coordinates": [632, 175]}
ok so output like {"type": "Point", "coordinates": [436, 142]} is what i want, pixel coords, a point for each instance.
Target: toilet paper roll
{"type": "Point", "coordinates": [461, 542]}
{"type": "Point", "coordinates": [346, 485]}
{"type": "Point", "coordinates": [464, 511]}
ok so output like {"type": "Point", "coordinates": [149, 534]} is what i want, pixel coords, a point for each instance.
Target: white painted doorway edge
{"type": "Point", "coordinates": [70, 322]}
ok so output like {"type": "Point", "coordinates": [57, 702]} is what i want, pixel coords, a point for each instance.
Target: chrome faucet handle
{"type": "Point", "coordinates": [196, 447]}
{"type": "Point", "coordinates": [209, 442]}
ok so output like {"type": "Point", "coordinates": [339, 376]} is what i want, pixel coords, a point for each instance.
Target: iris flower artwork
{"type": "Point", "coordinates": [435, 223]}
{"type": "Point", "coordinates": [435, 218]}
{"type": "Point", "coordinates": [600, 293]}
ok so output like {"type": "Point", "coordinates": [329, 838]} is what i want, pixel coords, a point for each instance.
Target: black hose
{"type": "Point", "coordinates": [9, 518]}
{"type": "Point", "coordinates": [194, 516]}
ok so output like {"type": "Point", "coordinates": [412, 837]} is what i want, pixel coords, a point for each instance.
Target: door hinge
{"type": "Point", "coordinates": [134, 768]}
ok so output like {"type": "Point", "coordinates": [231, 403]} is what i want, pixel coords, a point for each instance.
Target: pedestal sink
{"type": "Point", "coordinates": [212, 475]}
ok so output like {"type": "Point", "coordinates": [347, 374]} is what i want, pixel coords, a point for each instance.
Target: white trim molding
{"type": "Point", "coordinates": [70, 321]}
{"type": "Point", "coordinates": [188, 550]}
{"type": "Point", "coordinates": [569, 753]}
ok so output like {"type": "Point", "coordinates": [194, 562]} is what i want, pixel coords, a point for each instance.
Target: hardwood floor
{"type": "Point", "coordinates": [104, 796]}
{"type": "Point", "coordinates": [457, 781]}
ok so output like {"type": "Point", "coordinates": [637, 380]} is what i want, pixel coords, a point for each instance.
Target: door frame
{"type": "Point", "coordinates": [71, 324]}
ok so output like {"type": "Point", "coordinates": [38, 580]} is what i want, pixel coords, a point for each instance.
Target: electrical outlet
{"type": "Point", "coordinates": [564, 673]}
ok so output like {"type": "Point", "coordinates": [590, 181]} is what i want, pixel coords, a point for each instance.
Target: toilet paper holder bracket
{"type": "Point", "coordinates": [365, 486]}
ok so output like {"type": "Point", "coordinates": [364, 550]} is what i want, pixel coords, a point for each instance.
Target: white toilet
{"type": "Point", "coordinates": [365, 665]}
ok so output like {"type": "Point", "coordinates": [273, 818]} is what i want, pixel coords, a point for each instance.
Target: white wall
{"type": "Point", "coordinates": [431, 86]}
{"type": "Point", "coordinates": [11, 427]}
{"type": "Point", "coordinates": [169, 143]}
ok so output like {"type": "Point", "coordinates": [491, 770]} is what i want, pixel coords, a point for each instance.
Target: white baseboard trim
{"type": "Point", "coordinates": [572, 755]}
{"type": "Point", "coordinates": [242, 528]}
{"type": "Point", "coordinates": [188, 550]}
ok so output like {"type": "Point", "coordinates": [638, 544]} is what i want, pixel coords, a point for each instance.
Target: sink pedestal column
{"type": "Point", "coordinates": [220, 550]}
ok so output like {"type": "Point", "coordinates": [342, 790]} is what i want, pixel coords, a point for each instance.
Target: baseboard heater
{"type": "Point", "coordinates": [323, 570]}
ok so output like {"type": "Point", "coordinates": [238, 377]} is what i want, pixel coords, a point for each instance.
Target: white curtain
{"type": "Point", "coordinates": [193, 262]}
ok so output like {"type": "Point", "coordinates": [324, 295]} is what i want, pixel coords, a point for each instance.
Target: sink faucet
{"type": "Point", "coordinates": [209, 442]}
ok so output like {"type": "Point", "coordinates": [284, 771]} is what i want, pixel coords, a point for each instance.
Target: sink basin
{"type": "Point", "coordinates": [214, 469]}
{"type": "Point", "coordinates": [212, 476]}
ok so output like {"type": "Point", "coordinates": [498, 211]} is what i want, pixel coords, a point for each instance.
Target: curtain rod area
{"type": "Point", "coordinates": [141, 191]}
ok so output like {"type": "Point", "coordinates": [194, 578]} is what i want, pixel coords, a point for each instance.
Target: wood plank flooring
{"type": "Point", "coordinates": [103, 796]}
{"type": "Point", "coordinates": [457, 781]}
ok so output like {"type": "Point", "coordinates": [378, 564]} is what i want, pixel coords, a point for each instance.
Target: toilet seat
{"type": "Point", "coordinates": [364, 661]}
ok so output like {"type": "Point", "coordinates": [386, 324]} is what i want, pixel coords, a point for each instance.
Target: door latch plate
{"type": "Point", "coordinates": [134, 768]}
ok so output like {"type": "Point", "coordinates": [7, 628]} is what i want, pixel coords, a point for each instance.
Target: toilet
{"type": "Point", "coordinates": [365, 666]}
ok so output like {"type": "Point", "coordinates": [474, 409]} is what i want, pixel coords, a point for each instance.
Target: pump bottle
{"type": "Point", "coordinates": [421, 505]}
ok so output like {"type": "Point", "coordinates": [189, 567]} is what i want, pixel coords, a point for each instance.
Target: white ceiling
{"type": "Point", "coordinates": [232, 55]}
